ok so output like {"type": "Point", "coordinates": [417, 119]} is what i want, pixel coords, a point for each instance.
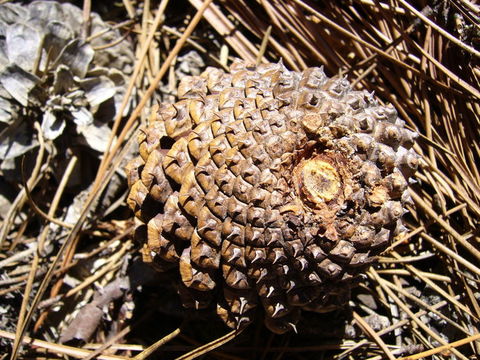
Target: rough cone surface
{"type": "Point", "coordinates": [267, 187]}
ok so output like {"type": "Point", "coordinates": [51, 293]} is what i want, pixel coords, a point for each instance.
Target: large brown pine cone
{"type": "Point", "coordinates": [269, 187]}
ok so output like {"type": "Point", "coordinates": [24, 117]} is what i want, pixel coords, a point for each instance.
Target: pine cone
{"type": "Point", "coordinates": [51, 75]}
{"type": "Point", "coordinates": [267, 187]}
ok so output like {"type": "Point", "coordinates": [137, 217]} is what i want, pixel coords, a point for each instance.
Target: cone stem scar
{"type": "Point", "coordinates": [320, 180]}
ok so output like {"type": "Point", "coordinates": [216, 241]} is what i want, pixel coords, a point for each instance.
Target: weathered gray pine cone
{"type": "Point", "coordinates": [49, 73]}
{"type": "Point", "coordinates": [267, 187]}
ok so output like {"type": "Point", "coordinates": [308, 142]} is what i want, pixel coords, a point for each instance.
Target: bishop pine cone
{"type": "Point", "coordinates": [268, 187]}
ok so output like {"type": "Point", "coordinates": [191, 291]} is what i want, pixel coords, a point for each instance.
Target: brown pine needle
{"type": "Point", "coordinates": [58, 348]}
{"type": "Point", "coordinates": [370, 332]}
{"type": "Point", "coordinates": [409, 56]}
{"type": "Point", "coordinates": [442, 349]}
{"type": "Point", "coordinates": [35, 207]}
{"type": "Point", "coordinates": [211, 345]}
{"type": "Point", "coordinates": [152, 348]}
{"type": "Point", "coordinates": [263, 47]}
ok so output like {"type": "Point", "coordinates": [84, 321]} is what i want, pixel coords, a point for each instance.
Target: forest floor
{"type": "Point", "coordinates": [72, 282]}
